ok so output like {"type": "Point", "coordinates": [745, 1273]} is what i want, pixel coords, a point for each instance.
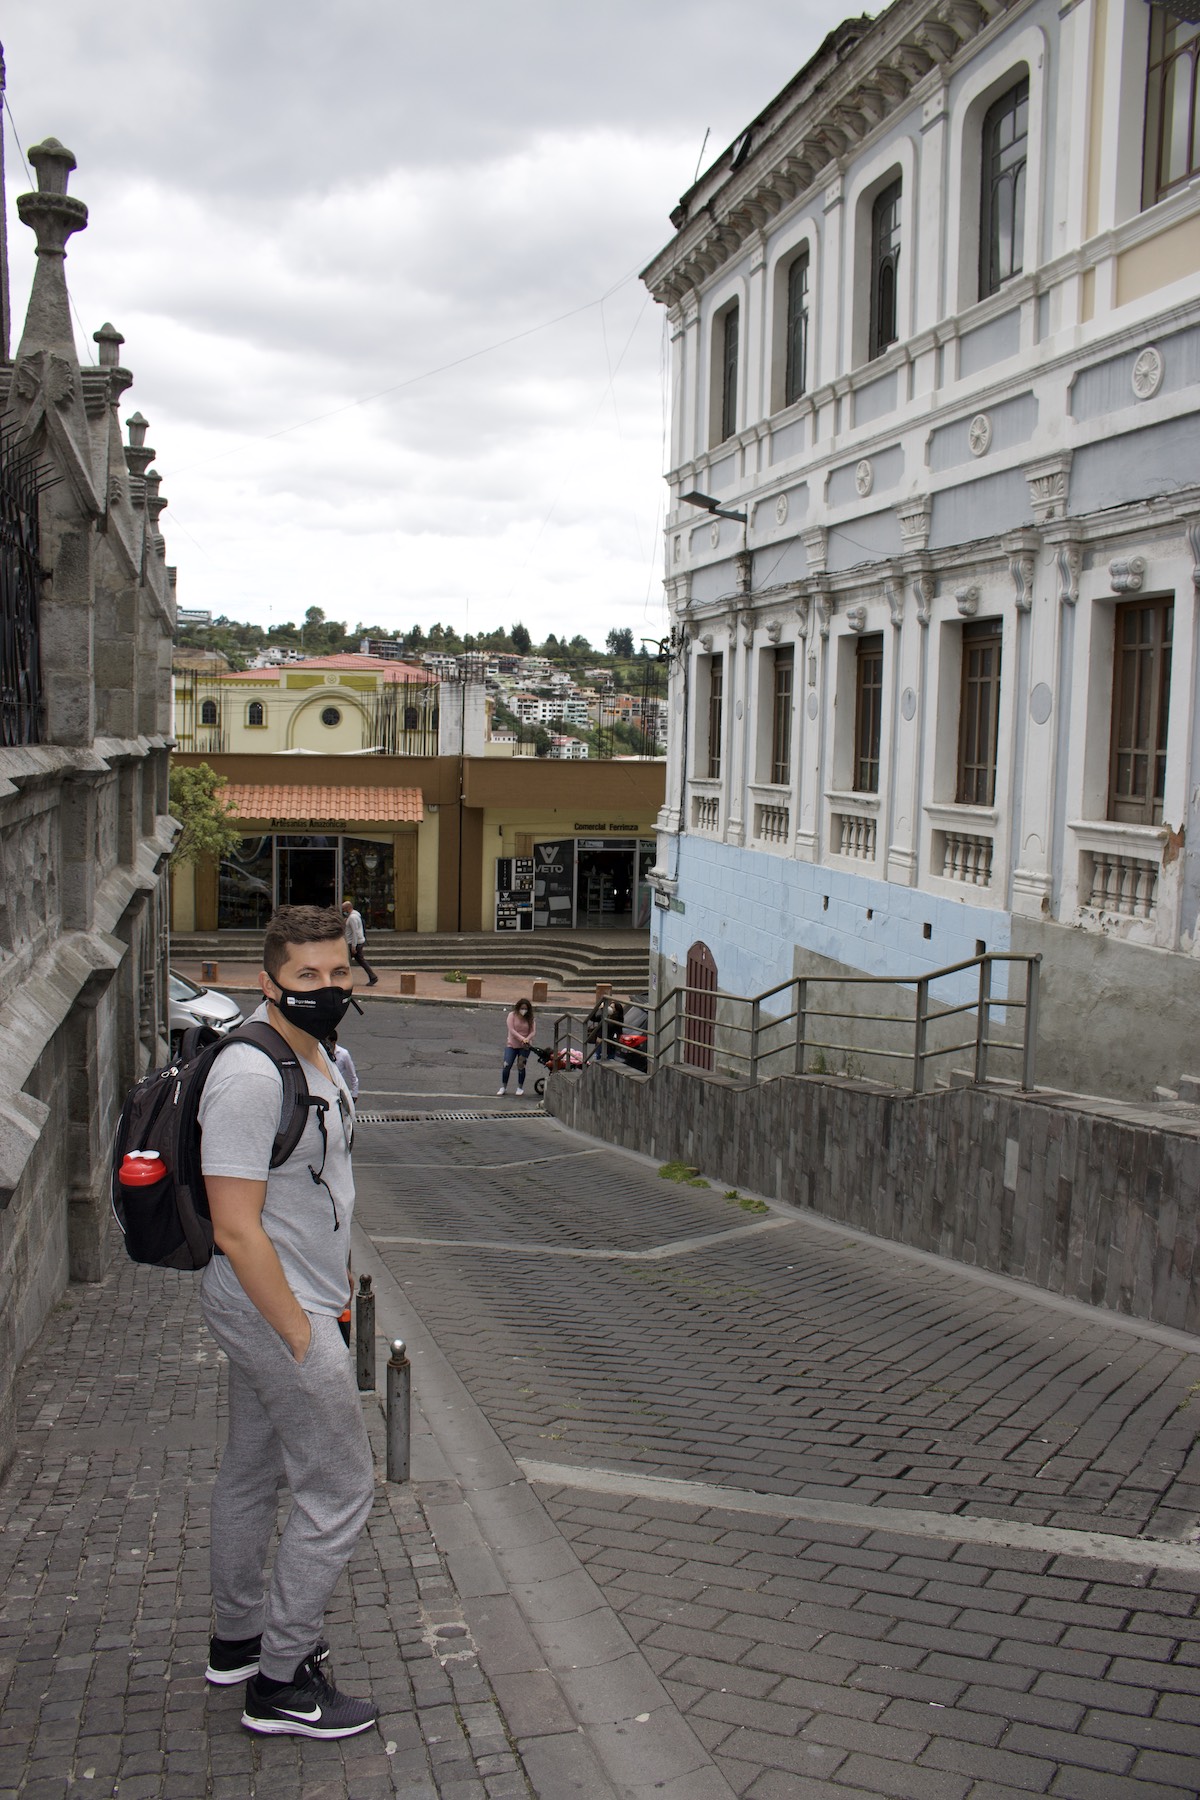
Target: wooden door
{"type": "Point", "coordinates": [700, 1010]}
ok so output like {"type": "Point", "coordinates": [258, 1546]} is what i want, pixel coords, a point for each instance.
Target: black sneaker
{"type": "Point", "coordinates": [309, 1706]}
{"type": "Point", "coordinates": [231, 1660]}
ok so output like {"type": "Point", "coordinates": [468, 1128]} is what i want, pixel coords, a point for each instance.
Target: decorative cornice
{"type": "Point", "coordinates": [832, 116]}
{"type": "Point", "coordinates": [1126, 574]}
{"type": "Point", "coordinates": [1049, 482]}
{"type": "Point", "coordinates": [816, 543]}
{"type": "Point", "coordinates": [1068, 560]}
{"type": "Point", "coordinates": [1193, 537]}
{"type": "Point", "coordinates": [914, 518]}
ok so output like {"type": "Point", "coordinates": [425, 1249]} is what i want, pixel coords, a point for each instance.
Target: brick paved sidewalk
{"type": "Point", "coordinates": [104, 1618]}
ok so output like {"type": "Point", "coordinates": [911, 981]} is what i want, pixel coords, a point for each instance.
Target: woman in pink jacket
{"type": "Point", "coordinates": [516, 1049]}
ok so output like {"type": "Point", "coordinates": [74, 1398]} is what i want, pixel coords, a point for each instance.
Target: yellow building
{"type": "Point", "coordinates": [429, 843]}
{"type": "Point", "coordinates": [330, 705]}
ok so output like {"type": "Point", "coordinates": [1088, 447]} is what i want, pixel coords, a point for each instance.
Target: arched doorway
{"type": "Point", "coordinates": [700, 1011]}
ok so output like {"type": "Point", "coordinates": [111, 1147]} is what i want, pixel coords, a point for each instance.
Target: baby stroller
{"type": "Point", "coordinates": [569, 1057]}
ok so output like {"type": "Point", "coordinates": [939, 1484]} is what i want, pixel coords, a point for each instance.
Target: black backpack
{"type": "Point", "coordinates": [167, 1223]}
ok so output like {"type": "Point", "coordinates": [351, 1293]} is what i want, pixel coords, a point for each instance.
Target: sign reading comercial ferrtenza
{"type": "Point", "coordinates": [599, 825]}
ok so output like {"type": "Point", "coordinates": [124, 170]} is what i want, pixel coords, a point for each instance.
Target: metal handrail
{"type": "Point", "coordinates": [746, 1040]}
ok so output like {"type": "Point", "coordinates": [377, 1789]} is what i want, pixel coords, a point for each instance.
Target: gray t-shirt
{"type": "Point", "coordinates": [239, 1117]}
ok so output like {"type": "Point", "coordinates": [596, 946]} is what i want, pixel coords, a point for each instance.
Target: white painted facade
{"type": "Point", "coordinates": [1030, 458]}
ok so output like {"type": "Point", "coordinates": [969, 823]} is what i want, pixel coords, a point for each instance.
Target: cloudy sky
{"type": "Point", "coordinates": [376, 268]}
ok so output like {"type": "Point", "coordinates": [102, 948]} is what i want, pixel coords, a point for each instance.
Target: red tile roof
{"type": "Point", "coordinates": [285, 804]}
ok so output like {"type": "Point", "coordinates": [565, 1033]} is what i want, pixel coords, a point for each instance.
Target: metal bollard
{"type": "Point", "coordinates": [399, 1411]}
{"type": "Point", "coordinates": [364, 1335]}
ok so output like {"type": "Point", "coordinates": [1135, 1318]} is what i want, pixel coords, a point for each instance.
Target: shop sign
{"type": "Point", "coordinates": [514, 893]}
{"type": "Point", "coordinates": [599, 825]}
{"type": "Point", "coordinates": [553, 885]}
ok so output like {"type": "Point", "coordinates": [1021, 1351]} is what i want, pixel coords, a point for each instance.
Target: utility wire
{"type": "Point", "coordinates": [412, 380]}
{"type": "Point", "coordinates": [29, 178]}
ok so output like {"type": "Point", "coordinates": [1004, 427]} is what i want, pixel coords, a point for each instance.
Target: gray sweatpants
{"type": "Point", "coordinates": [298, 1425]}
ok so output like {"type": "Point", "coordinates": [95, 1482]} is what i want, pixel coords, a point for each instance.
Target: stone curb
{"type": "Point", "coordinates": [585, 1710]}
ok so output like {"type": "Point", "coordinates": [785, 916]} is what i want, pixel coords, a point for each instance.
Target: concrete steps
{"type": "Point", "coordinates": [570, 959]}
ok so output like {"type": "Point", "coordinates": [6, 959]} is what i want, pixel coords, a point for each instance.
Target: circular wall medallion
{"type": "Point", "coordinates": [813, 706]}
{"type": "Point", "coordinates": [1147, 376]}
{"type": "Point", "coordinates": [979, 434]}
{"type": "Point", "coordinates": [714, 536]}
{"type": "Point", "coordinates": [864, 477]}
{"type": "Point", "coordinates": [1041, 703]}
{"type": "Point", "coordinates": [781, 510]}
{"type": "Point", "coordinates": [908, 703]}
{"type": "Point", "coordinates": [330, 715]}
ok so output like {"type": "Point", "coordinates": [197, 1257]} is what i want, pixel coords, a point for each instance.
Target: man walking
{"type": "Point", "coordinates": [271, 1297]}
{"type": "Point", "coordinates": [356, 937]}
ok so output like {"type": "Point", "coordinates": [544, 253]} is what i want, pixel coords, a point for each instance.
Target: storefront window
{"type": "Point", "coordinates": [367, 879]}
{"type": "Point", "coordinates": [245, 888]}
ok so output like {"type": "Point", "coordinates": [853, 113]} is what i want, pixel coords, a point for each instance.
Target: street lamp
{"type": "Point", "coordinates": [707, 504]}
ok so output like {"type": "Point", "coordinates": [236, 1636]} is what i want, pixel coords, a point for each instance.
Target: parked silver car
{"type": "Point", "coordinates": [192, 1005]}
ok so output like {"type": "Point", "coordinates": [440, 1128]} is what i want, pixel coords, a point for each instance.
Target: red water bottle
{"type": "Point", "coordinates": [141, 1168]}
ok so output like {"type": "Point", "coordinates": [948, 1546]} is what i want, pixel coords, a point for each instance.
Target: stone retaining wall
{"type": "Point", "coordinates": [1072, 1197]}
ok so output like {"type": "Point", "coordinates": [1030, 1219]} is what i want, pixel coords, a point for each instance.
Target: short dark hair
{"type": "Point", "coordinates": [299, 925]}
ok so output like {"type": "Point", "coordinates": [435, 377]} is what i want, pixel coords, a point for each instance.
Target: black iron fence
{"type": "Point", "coordinates": [21, 482]}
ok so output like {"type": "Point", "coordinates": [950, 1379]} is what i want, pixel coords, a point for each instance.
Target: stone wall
{"type": "Point", "coordinates": [1099, 1204]}
{"type": "Point", "coordinates": [84, 835]}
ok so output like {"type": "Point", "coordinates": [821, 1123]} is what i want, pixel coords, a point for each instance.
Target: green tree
{"type": "Point", "coordinates": [522, 643]}
{"type": "Point", "coordinates": [208, 833]}
{"type": "Point", "coordinates": [542, 743]}
{"type": "Point", "coordinates": [314, 616]}
{"type": "Point", "coordinates": [620, 643]}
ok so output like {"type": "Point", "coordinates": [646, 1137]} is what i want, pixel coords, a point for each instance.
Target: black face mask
{"type": "Point", "coordinates": [317, 1011]}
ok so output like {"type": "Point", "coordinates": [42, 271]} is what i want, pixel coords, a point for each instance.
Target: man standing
{"type": "Point", "coordinates": [356, 937]}
{"type": "Point", "coordinates": [271, 1297]}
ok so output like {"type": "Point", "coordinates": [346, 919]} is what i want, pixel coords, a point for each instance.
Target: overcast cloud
{"type": "Point", "coordinates": [312, 225]}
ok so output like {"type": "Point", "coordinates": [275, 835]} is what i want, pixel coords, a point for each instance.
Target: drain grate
{"type": "Point", "coordinates": [446, 1118]}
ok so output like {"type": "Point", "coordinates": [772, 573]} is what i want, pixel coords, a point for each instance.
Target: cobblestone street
{"type": "Point", "coordinates": [1000, 1620]}
{"type": "Point", "coordinates": [708, 1500]}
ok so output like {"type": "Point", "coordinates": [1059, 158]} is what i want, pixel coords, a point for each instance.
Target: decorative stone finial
{"type": "Point", "coordinates": [110, 341]}
{"type": "Point", "coordinates": [156, 503]}
{"type": "Point", "coordinates": [52, 214]}
{"type": "Point", "coordinates": [54, 163]}
{"type": "Point", "coordinates": [138, 454]}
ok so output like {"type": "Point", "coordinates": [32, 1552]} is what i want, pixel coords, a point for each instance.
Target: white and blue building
{"type": "Point", "coordinates": [935, 327]}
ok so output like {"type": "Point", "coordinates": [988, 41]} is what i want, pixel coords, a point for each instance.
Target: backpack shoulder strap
{"type": "Point", "coordinates": [293, 1113]}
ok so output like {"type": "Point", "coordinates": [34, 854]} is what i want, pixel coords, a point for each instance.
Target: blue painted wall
{"type": "Point", "coordinates": [753, 910]}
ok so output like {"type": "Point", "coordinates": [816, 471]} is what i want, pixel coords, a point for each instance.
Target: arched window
{"type": "Point", "coordinates": [796, 371]}
{"type": "Point", "coordinates": [885, 264]}
{"type": "Point", "coordinates": [330, 716]}
{"type": "Point", "coordinates": [255, 713]}
{"type": "Point", "coordinates": [724, 393]}
{"type": "Point", "coordinates": [208, 712]}
{"type": "Point", "coordinates": [1002, 201]}
{"type": "Point", "coordinates": [411, 718]}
